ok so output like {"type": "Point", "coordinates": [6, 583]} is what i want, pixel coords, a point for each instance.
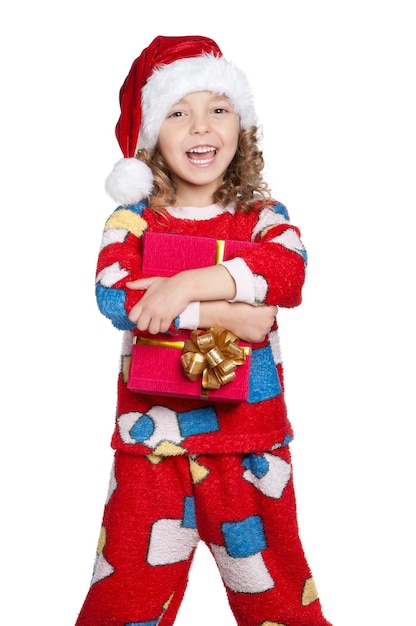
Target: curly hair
{"type": "Point", "coordinates": [242, 183]}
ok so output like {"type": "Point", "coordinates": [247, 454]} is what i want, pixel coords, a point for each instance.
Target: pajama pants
{"type": "Point", "coordinates": [158, 509]}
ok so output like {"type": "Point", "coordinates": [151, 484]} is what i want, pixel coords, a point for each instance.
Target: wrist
{"type": "Point", "coordinates": [208, 283]}
{"type": "Point", "coordinates": [214, 312]}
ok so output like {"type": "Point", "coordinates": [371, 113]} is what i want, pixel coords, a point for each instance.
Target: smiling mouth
{"type": "Point", "coordinates": [202, 155]}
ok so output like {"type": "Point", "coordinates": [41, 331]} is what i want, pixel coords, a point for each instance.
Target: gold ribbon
{"type": "Point", "coordinates": [213, 354]}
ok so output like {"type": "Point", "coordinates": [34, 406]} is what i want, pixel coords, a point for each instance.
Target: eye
{"type": "Point", "coordinates": [222, 106]}
{"type": "Point", "coordinates": [176, 114]}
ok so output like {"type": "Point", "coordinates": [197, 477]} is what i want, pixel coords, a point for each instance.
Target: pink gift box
{"type": "Point", "coordinates": [166, 254]}
{"type": "Point", "coordinates": [156, 369]}
{"type": "Point", "coordinates": [156, 366]}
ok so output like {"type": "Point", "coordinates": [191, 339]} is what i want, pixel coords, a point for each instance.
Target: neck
{"type": "Point", "coordinates": [195, 195]}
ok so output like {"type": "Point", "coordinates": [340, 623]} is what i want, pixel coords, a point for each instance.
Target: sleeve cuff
{"type": "Point", "coordinates": [189, 318]}
{"type": "Point", "coordinates": [243, 278]}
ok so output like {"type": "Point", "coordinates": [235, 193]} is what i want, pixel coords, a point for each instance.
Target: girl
{"type": "Point", "coordinates": [187, 469]}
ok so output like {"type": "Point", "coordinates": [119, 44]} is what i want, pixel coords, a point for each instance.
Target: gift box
{"type": "Point", "coordinates": [166, 254]}
{"type": "Point", "coordinates": [157, 367]}
{"type": "Point", "coordinates": [178, 366]}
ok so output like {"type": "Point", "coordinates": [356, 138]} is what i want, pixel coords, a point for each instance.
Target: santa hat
{"type": "Point", "coordinates": [166, 71]}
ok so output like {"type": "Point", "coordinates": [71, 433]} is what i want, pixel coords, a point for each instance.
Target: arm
{"type": "Point", "coordinates": [278, 265]}
{"type": "Point", "coordinates": [248, 322]}
{"type": "Point", "coordinates": [153, 312]}
{"type": "Point", "coordinates": [119, 260]}
{"type": "Point", "coordinates": [165, 298]}
{"type": "Point", "coordinates": [276, 268]}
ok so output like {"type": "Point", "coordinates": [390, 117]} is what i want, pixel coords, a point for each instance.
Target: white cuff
{"type": "Point", "coordinates": [244, 280]}
{"type": "Point", "coordinates": [189, 318]}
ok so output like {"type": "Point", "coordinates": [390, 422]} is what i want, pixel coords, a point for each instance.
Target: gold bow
{"type": "Point", "coordinates": [214, 354]}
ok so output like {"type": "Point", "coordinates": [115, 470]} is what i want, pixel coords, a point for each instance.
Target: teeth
{"type": "Point", "coordinates": [201, 161]}
{"type": "Point", "coordinates": [202, 150]}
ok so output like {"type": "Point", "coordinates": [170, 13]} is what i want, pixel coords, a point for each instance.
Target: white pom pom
{"type": "Point", "coordinates": [129, 182]}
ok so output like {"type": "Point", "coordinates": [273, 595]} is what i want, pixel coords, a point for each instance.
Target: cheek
{"type": "Point", "coordinates": [232, 144]}
{"type": "Point", "coordinates": [167, 151]}
{"type": "Point", "coordinates": [233, 136]}
{"type": "Point", "coordinates": [162, 144]}
{"type": "Point", "coordinates": [166, 139]}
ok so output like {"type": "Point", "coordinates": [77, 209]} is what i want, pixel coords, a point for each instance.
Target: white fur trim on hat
{"type": "Point", "coordinates": [129, 182]}
{"type": "Point", "coordinates": [207, 72]}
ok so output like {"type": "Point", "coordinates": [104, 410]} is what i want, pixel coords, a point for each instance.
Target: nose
{"type": "Point", "coordinates": [200, 124]}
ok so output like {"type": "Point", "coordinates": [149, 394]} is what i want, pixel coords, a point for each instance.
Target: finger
{"type": "Point", "coordinates": [143, 323]}
{"type": "Point", "coordinates": [140, 283]}
{"type": "Point", "coordinates": [135, 313]}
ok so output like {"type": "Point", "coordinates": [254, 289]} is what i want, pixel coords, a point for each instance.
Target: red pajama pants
{"type": "Point", "coordinates": [157, 510]}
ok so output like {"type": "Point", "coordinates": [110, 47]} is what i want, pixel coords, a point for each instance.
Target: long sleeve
{"type": "Point", "coordinates": [279, 264]}
{"type": "Point", "coordinates": [118, 262]}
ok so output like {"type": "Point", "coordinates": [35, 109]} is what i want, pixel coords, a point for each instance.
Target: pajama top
{"type": "Point", "coordinates": [152, 424]}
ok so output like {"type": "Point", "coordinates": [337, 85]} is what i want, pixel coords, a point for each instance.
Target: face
{"type": "Point", "coordinates": [198, 140]}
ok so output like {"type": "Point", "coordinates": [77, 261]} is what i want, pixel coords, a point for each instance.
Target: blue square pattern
{"type": "Point", "coordinates": [264, 381]}
{"type": "Point", "coordinates": [257, 464]}
{"type": "Point", "coordinates": [198, 421]}
{"type": "Point", "coordinates": [244, 538]}
{"type": "Point", "coordinates": [189, 518]}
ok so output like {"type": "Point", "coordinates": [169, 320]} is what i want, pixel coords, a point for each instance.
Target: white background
{"type": "Point", "coordinates": [334, 85]}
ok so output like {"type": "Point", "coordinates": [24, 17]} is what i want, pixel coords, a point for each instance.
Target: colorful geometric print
{"type": "Point", "coordinates": [264, 381]}
{"type": "Point", "coordinates": [160, 424]}
{"type": "Point", "coordinates": [241, 506]}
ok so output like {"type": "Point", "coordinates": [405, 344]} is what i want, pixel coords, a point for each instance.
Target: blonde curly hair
{"type": "Point", "coordinates": [242, 183]}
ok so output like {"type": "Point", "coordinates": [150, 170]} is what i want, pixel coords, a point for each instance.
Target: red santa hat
{"type": "Point", "coordinates": [167, 70]}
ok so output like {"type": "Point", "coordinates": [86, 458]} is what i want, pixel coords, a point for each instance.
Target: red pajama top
{"type": "Point", "coordinates": [147, 424]}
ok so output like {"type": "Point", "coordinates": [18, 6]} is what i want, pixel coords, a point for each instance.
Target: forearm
{"type": "Point", "coordinates": [165, 298]}
{"type": "Point", "coordinates": [118, 262]}
{"type": "Point", "coordinates": [250, 323]}
{"type": "Point", "coordinates": [214, 312]}
{"type": "Point", "coordinates": [207, 283]}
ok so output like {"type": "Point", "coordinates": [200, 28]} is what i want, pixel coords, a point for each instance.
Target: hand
{"type": "Point", "coordinates": [249, 323]}
{"type": "Point", "coordinates": [164, 299]}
